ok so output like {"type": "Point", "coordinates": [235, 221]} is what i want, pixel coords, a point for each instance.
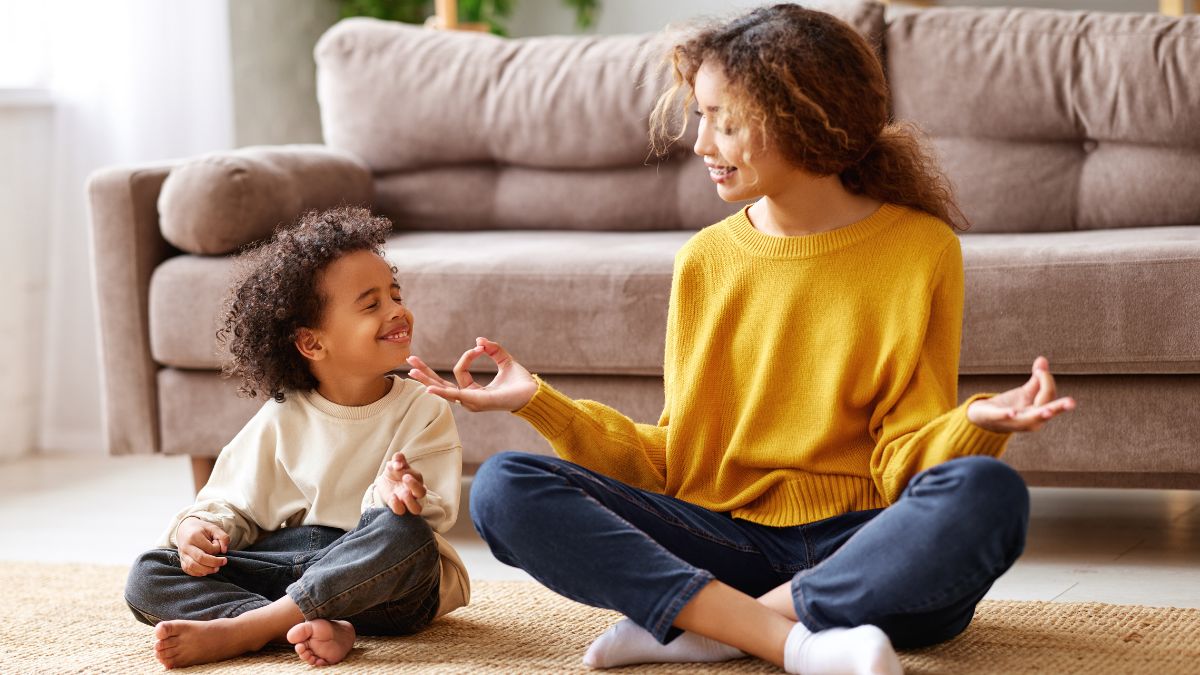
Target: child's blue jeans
{"type": "Point", "coordinates": [383, 577]}
{"type": "Point", "coordinates": [915, 569]}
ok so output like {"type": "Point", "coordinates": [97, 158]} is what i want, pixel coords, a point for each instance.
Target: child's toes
{"type": "Point", "coordinates": [299, 633]}
{"type": "Point", "coordinates": [167, 658]}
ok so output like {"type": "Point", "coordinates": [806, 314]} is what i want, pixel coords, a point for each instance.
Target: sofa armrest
{"type": "Point", "coordinates": [217, 203]}
{"type": "Point", "coordinates": [126, 246]}
{"type": "Point", "coordinates": [210, 205]}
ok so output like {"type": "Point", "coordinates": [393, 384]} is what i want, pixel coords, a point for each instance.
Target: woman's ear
{"type": "Point", "coordinates": [308, 343]}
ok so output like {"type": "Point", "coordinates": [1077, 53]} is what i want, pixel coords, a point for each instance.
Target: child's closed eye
{"type": "Point", "coordinates": [375, 304]}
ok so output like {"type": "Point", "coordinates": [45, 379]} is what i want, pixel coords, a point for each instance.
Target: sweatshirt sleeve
{"type": "Point", "coordinates": [599, 438]}
{"type": "Point", "coordinates": [249, 492]}
{"type": "Point", "coordinates": [922, 427]}
{"type": "Point", "coordinates": [429, 440]}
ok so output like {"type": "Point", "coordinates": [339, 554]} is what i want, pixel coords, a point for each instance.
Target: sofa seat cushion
{"type": "Point", "coordinates": [1104, 301]}
{"type": "Point", "coordinates": [1096, 302]}
{"type": "Point", "coordinates": [563, 302]}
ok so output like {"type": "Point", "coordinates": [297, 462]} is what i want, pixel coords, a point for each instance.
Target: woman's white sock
{"type": "Point", "coordinates": [864, 650]}
{"type": "Point", "coordinates": [626, 643]}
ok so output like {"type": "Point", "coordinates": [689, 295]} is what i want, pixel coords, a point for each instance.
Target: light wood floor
{"type": "Point", "coordinates": [1117, 546]}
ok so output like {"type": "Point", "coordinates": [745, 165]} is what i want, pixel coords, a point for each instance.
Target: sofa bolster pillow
{"type": "Point", "coordinates": [217, 203]}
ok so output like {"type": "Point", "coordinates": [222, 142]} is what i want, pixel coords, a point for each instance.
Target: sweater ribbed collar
{"type": "Point", "coordinates": [354, 412]}
{"type": "Point", "coordinates": [808, 245]}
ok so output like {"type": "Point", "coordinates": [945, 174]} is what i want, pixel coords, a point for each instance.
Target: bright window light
{"type": "Point", "coordinates": [24, 45]}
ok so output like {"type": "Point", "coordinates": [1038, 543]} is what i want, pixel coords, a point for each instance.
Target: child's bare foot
{"type": "Point", "coordinates": [186, 643]}
{"type": "Point", "coordinates": [321, 642]}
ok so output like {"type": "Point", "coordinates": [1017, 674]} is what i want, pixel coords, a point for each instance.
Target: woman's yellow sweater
{"type": "Point", "coordinates": [805, 377]}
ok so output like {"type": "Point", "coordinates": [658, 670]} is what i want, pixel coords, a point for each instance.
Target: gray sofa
{"type": "Point", "coordinates": [526, 208]}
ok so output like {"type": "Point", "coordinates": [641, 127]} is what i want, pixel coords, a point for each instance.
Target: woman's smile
{"type": "Point", "coordinates": [719, 172]}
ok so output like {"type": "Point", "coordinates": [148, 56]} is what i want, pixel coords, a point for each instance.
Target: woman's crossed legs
{"type": "Point", "coordinates": [915, 570]}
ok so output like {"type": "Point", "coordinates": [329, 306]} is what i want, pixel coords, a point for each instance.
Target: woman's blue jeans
{"type": "Point", "coordinates": [383, 577]}
{"type": "Point", "coordinates": [915, 569]}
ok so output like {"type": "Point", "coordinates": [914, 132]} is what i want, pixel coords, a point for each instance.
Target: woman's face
{"type": "Point", "coordinates": [738, 161]}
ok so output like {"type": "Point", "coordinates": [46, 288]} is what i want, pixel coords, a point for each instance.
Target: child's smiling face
{"type": "Point", "coordinates": [365, 330]}
{"type": "Point", "coordinates": [742, 166]}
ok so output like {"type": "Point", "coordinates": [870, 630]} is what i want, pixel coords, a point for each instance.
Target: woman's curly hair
{"type": "Point", "coordinates": [813, 86]}
{"type": "Point", "coordinates": [275, 294]}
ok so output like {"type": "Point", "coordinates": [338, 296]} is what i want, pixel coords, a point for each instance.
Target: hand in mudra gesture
{"type": "Point", "coordinates": [510, 390]}
{"type": "Point", "coordinates": [1025, 408]}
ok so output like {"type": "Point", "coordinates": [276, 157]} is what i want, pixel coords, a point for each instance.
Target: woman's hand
{"type": "Point", "coordinates": [510, 390]}
{"type": "Point", "coordinates": [1025, 408]}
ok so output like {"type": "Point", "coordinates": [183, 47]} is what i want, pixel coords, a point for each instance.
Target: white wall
{"type": "Point", "coordinates": [132, 81]}
{"type": "Point", "coordinates": [274, 74]}
{"type": "Point", "coordinates": [552, 17]}
{"type": "Point", "coordinates": [25, 156]}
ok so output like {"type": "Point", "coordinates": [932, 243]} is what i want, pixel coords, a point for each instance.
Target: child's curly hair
{"type": "Point", "coordinates": [275, 295]}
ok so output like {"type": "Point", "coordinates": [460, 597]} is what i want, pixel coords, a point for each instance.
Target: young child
{"type": "Point", "coordinates": [812, 494]}
{"type": "Point", "coordinates": [323, 516]}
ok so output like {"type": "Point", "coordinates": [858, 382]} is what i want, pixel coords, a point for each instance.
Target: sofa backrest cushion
{"type": "Point", "coordinates": [216, 203]}
{"type": "Point", "coordinates": [469, 131]}
{"type": "Point", "coordinates": [1050, 120]}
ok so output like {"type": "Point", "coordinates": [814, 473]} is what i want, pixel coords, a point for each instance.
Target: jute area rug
{"type": "Point", "coordinates": [71, 619]}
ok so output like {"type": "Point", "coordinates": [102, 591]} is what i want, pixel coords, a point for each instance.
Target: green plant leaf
{"type": "Point", "coordinates": [408, 11]}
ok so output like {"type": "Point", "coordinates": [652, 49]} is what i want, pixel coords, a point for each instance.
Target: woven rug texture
{"type": "Point", "coordinates": [71, 619]}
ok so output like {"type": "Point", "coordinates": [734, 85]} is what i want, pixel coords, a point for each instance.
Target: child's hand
{"type": "Point", "coordinates": [199, 543]}
{"type": "Point", "coordinates": [400, 486]}
{"type": "Point", "coordinates": [510, 390]}
{"type": "Point", "coordinates": [1025, 408]}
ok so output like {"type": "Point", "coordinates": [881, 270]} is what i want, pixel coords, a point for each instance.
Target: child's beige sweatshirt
{"type": "Point", "coordinates": [309, 461]}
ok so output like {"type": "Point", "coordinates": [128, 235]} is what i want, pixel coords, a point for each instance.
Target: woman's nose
{"type": "Point", "coordinates": [704, 144]}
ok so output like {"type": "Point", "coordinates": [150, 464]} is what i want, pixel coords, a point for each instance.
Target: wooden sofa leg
{"type": "Point", "coordinates": [202, 468]}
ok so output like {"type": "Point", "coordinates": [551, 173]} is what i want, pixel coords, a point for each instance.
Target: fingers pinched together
{"type": "Point", "coordinates": [511, 388]}
{"type": "Point", "coordinates": [401, 487]}
{"type": "Point", "coordinates": [202, 546]}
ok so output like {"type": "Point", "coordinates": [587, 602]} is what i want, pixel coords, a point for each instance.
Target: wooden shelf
{"type": "Point", "coordinates": [1178, 7]}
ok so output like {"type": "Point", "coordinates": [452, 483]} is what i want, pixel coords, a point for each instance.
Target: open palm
{"type": "Point", "coordinates": [511, 389]}
{"type": "Point", "coordinates": [1024, 408]}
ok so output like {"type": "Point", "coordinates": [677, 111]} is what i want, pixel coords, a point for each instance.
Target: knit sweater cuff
{"type": "Point", "coordinates": [657, 455]}
{"type": "Point", "coordinates": [967, 438]}
{"type": "Point", "coordinates": [549, 411]}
